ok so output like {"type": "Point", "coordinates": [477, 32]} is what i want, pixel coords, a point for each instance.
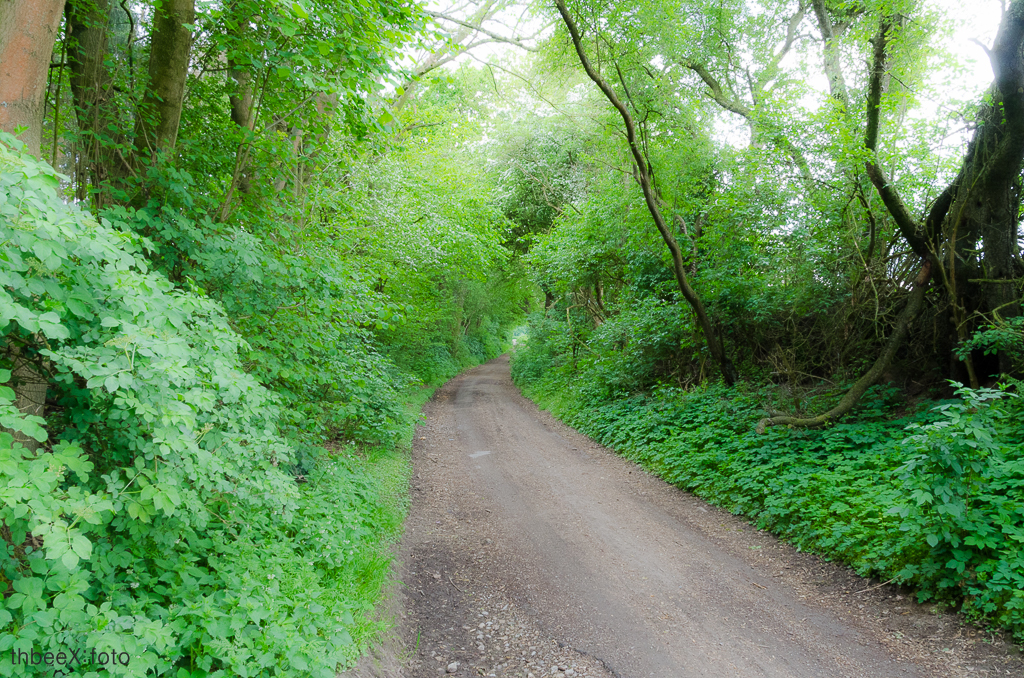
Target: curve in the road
{"type": "Point", "coordinates": [531, 550]}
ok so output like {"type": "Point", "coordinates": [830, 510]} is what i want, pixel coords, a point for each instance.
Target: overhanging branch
{"type": "Point", "coordinates": [710, 336]}
{"type": "Point", "coordinates": [478, 28]}
{"type": "Point", "coordinates": [907, 225]}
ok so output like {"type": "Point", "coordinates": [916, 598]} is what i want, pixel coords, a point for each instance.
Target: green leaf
{"type": "Point", "coordinates": [69, 559]}
{"type": "Point", "coordinates": [81, 546]}
{"type": "Point", "coordinates": [79, 308]}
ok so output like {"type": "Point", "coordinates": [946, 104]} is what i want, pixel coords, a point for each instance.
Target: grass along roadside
{"type": "Point", "coordinates": [387, 470]}
{"type": "Point", "coordinates": [382, 652]}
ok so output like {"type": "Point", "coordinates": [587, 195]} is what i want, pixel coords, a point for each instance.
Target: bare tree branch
{"type": "Point", "coordinates": [870, 377]}
{"type": "Point", "coordinates": [478, 28]}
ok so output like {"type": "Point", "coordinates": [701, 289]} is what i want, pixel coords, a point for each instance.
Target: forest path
{"type": "Point", "coordinates": [529, 549]}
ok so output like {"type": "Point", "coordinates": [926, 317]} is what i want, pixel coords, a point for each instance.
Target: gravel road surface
{"type": "Point", "coordinates": [532, 551]}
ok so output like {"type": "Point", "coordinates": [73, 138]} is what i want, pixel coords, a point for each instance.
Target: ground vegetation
{"type": "Point", "coordinates": [859, 272]}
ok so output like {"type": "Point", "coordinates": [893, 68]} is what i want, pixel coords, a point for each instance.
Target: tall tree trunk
{"type": "Point", "coordinates": [971, 230]}
{"type": "Point", "coordinates": [169, 49]}
{"type": "Point", "coordinates": [242, 114]}
{"type": "Point", "coordinates": [982, 203]}
{"type": "Point", "coordinates": [986, 196]}
{"type": "Point", "coordinates": [242, 98]}
{"type": "Point", "coordinates": [28, 30]}
{"type": "Point", "coordinates": [30, 386]}
{"type": "Point", "coordinates": [90, 82]}
{"type": "Point", "coordinates": [91, 88]}
{"type": "Point", "coordinates": [643, 172]}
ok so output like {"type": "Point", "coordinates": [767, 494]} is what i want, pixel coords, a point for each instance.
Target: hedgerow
{"type": "Point", "coordinates": [165, 519]}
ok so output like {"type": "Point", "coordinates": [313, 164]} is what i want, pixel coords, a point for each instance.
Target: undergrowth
{"type": "Point", "coordinates": [932, 498]}
{"type": "Point", "coordinates": [176, 507]}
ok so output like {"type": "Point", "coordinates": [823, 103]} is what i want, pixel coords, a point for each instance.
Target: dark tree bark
{"type": "Point", "coordinates": [87, 49]}
{"type": "Point", "coordinates": [643, 173]}
{"type": "Point", "coordinates": [971, 231]}
{"type": "Point", "coordinates": [28, 30]}
{"type": "Point", "coordinates": [985, 198]}
{"type": "Point", "coordinates": [981, 206]}
{"type": "Point", "coordinates": [169, 50]}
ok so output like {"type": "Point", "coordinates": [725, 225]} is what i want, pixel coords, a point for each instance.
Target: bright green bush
{"type": "Point", "coordinates": [161, 518]}
{"type": "Point", "coordinates": [965, 479]}
{"type": "Point", "coordinates": [306, 316]}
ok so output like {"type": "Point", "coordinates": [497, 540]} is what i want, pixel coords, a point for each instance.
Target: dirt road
{"type": "Point", "coordinates": [532, 550]}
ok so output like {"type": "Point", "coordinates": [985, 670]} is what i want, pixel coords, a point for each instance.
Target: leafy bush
{"type": "Point", "coordinates": [966, 485]}
{"type": "Point", "coordinates": [161, 519]}
{"type": "Point", "coordinates": [1005, 336]}
{"type": "Point", "coordinates": [306, 318]}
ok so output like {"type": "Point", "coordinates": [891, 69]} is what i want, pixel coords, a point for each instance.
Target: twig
{"type": "Point", "coordinates": [478, 28]}
{"type": "Point", "coordinates": [855, 593]}
{"type": "Point", "coordinates": [453, 584]}
{"type": "Point", "coordinates": [872, 588]}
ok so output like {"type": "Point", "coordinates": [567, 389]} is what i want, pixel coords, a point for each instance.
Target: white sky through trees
{"type": "Point", "coordinates": [972, 23]}
{"type": "Point", "coordinates": [948, 83]}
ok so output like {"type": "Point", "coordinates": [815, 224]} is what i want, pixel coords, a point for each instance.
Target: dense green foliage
{"type": "Point", "coordinates": [164, 519]}
{"type": "Point", "coordinates": [222, 468]}
{"type": "Point", "coordinates": [229, 296]}
{"type": "Point", "coordinates": [932, 496]}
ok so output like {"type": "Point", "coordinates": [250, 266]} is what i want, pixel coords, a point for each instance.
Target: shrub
{"type": "Point", "coordinates": [160, 519]}
{"type": "Point", "coordinates": [965, 480]}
